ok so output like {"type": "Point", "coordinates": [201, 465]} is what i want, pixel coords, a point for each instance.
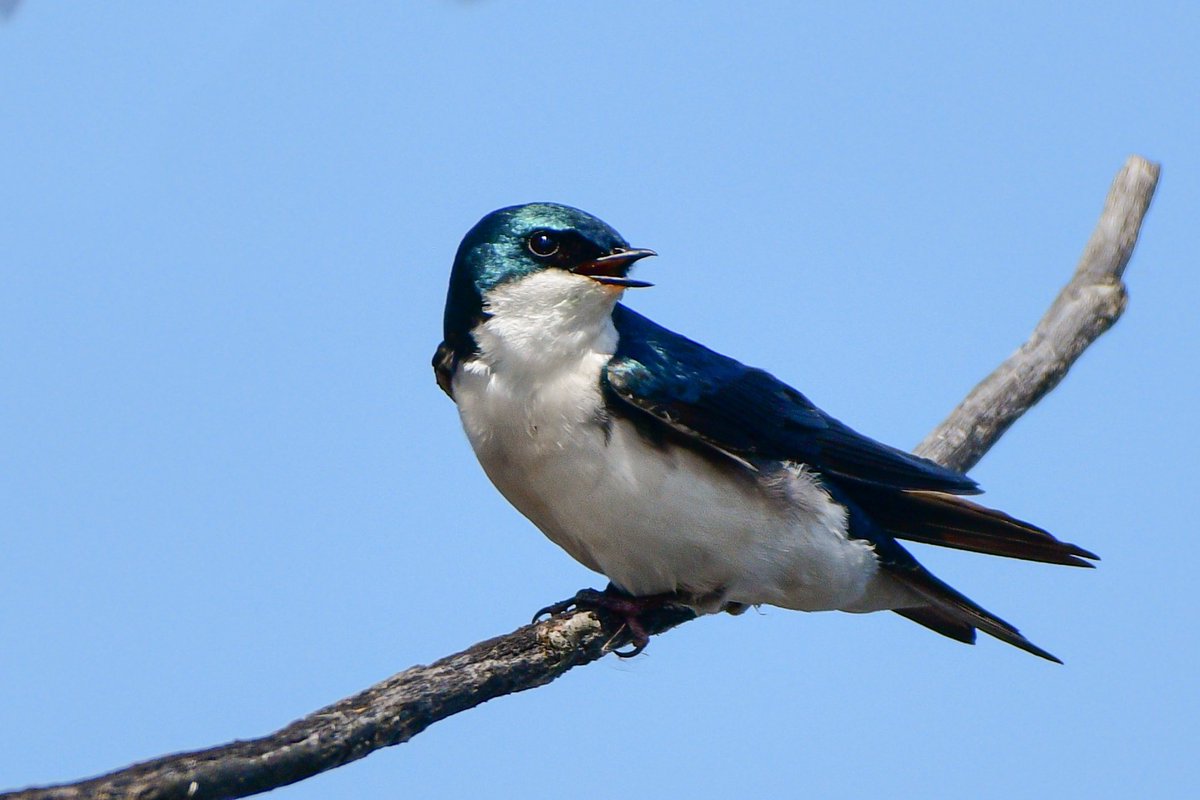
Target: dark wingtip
{"type": "Point", "coordinates": [946, 520]}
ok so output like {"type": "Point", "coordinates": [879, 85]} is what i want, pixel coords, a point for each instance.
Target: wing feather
{"type": "Point", "coordinates": [750, 414]}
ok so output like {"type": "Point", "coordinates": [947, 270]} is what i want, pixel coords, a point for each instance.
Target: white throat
{"type": "Point", "coordinates": [545, 323]}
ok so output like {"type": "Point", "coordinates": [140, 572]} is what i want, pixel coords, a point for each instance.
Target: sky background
{"type": "Point", "coordinates": [232, 492]}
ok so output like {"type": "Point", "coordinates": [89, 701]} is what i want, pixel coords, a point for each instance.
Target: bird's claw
{"type": "Point", "coordinates": [637, 637]}
{"type": "Point", "coordinates": [620, 605]}
{"type": "Point", "coordinates": [584, 599]}
{"type": "Point", "coordinates": [562, 606]}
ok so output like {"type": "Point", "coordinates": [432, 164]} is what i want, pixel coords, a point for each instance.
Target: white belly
{"type": "Point", "coordinates": [660, 519]}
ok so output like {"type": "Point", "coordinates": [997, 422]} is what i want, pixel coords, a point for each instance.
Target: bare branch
{"type": "Point", "coordinates": [1085, 308]}
{"type": "Point", "coordinates": [402, 706]}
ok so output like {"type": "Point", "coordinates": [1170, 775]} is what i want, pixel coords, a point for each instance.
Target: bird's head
{"type": "Point", "coordinates": [539, 254]}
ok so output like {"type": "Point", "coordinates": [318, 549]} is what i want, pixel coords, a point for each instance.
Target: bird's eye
{"type": "Point", "coordinates": [543, 244]}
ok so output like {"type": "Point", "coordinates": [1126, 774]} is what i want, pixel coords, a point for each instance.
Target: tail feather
{"type": "Point", "coordinates": [949, 521]}
{"type": "Point", "coordinates": [937, 620]}
{"type": "Point", "coordinates": [952, 614]}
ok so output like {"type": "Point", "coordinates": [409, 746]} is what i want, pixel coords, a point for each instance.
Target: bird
{"type": "Point", "coordinates": [682, 475]}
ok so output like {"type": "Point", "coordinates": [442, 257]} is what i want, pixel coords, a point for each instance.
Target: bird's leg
{"type": "Point", "coordinates": [620, 604]}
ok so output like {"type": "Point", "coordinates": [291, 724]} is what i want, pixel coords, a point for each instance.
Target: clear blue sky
{"type": "Point", "coordinates": [232, 492]}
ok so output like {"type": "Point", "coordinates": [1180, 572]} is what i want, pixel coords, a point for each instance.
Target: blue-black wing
{"type": "Point", "coordinates": [747, 413]}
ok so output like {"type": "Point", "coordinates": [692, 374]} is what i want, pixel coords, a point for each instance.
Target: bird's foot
{"type": "Point", "coordinates": [625, 607]}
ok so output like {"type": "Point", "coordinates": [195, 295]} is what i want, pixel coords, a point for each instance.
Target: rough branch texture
{"type": "Point", "coordinates": [402, 706]}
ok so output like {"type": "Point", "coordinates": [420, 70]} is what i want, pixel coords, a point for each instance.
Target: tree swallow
{"type": "Point", "coordinates": [682, 474]}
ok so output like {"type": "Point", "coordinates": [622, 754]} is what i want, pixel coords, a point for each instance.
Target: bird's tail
{"type": "Point", "coordinates": [952, 614]}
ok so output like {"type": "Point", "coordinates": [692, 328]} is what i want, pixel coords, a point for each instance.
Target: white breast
{"type": "Point", "coordinates": [653, 519]}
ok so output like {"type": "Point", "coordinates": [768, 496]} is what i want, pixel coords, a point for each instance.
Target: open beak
{"type": "Point", "coordinates": [611, 269]}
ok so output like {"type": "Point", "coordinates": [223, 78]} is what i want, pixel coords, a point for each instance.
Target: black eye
{"type": "Point", "coordinates": [543, 244]}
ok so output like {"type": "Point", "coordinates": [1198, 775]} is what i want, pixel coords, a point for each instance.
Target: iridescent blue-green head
{"type": "Point", "coordinates": [520, 241]}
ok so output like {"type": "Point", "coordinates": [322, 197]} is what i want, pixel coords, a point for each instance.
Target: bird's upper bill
{"type": "Point", "coordinates": [612, 269]}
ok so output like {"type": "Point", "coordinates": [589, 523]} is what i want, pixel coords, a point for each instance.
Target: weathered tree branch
{"type": "Point", "coordinates": [402, 706]}
{"type": "Point", "coordinates": [1085, 308]}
